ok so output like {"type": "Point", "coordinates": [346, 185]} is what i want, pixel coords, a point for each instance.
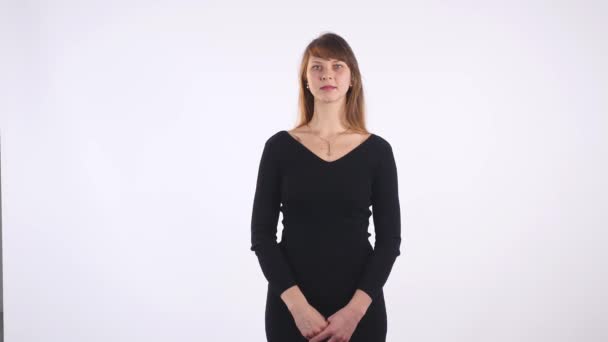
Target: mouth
{"type": "Point", "coordinates": [327, 87]}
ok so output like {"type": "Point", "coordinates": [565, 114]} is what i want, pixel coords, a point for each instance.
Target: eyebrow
{"type": "Point", "coordinates": [335, 61]}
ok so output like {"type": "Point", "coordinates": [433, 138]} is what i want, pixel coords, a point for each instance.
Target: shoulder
{"type": "Point", "coordinates": [383, 153]}
{"type": "Point", "coordinates": [275, 138]}
{"type": "Point", "coordinates": [384, 172]}
{"type": "Point", "coordinates": [382, 144]}
{"type": "Point", "coordinates": [275, 143]}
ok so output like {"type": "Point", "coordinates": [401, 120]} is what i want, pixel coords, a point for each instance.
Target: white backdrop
{"type": "Point", "coordinates": [131, 133]}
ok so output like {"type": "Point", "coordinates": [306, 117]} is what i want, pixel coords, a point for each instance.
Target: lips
{"type": "Point", "coordinates": [327, 87]}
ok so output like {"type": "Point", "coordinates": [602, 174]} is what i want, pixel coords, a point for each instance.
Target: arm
{"type": "Point", "coordinates": [294, 298]}
{"type": "Point", "coordinates": [387, 225]}
{"type": "Point", "coordinates": [264, 221]}
{"type": "Point", "coordinates": [360, 303]}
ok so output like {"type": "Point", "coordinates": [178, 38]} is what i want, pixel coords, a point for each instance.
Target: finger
{"type": "Point", "coordinates": [323, 335]}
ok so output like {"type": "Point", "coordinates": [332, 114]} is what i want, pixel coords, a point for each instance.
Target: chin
{"type": "Point", "coordinates": [331, 97]}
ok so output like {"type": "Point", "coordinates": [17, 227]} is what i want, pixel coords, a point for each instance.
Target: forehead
{"type": "Point", "coordinates": [314, 59]}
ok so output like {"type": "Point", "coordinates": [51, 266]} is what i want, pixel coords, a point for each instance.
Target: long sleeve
{"type": "Point", "coordinates": [264, 221]}
{"type": "Point", "coordinates": [387, 224]}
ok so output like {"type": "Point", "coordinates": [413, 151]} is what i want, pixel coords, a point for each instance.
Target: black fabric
{"type": "Point", "coordinates": [324, 247]}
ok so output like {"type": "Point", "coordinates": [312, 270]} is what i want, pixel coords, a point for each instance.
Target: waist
{"type": "Point", "coordinates": [331, 231]}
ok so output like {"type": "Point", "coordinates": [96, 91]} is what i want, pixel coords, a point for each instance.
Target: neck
{"type": "Point", "coordinates": [328, 118]}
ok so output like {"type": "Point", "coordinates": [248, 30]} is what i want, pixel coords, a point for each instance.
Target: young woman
{"type": "Point", "coordinates": [324, 175]}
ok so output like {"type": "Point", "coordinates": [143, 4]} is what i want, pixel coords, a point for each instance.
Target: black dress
{"type": "Point", "coordinates": [324, 247]}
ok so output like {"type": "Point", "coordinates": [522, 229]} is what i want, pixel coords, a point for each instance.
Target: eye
{"type": "Point", "coordinates": [314, 66]}
{"type": "Point", "coordinates": [340, 65]}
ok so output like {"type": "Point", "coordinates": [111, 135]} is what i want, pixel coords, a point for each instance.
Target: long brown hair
{"type": "Point", "coordinates": [331, 45]}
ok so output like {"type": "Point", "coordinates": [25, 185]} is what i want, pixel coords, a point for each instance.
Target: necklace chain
{"type": "Point", "coordinates": [326, 140]}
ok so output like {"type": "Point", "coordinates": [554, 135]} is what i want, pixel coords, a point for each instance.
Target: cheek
{"type": "Point", "coordinates": [345, 79]}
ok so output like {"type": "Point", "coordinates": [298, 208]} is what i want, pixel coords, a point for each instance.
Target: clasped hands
{"type": "Point", "coordinates": [338, 327]}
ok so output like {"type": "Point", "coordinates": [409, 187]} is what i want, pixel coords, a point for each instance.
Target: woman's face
{"type": "Point", "coordinates": [333, 74]}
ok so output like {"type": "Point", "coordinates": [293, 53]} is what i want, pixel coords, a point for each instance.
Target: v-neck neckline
{"type": "Point", "coordinates": [328, 162]}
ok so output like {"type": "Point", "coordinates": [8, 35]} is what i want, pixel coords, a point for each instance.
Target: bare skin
{"type": "Point", "coordinates": [308, 320]}
{"type": "Point", "coordinates": [340, 145]}
{"type": "Point", "coordinates": [339, 326]}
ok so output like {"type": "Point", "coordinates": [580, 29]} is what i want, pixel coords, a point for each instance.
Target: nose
{"type": "Point", "coordinates": [324, 77]}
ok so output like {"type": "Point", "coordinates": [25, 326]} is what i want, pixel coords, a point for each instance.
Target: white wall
{"type": "Point", "coordinates": [131, 133]}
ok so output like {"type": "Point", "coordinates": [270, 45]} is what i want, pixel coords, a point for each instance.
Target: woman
{"type": "Point", "coordinates": [323, 175]}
